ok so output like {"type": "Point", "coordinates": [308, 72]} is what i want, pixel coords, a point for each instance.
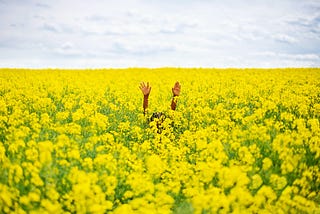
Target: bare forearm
{"type": "Point", "coordinates": [175, 91]}
{"type": "Point", "coordinates": [174, 103]}
{"type": "Point", "coordinates": [145, 103]}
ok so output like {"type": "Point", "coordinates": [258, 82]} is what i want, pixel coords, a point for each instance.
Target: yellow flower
{"type": "Point", "coordinates": [267, 164]}
{"type": "Point", "coordinates": [74, 154]}
{"type": "Point", "coordinates": [33, 196]}
{"type": "Point", "coordinates": [51, 207]}
{"type": "Point", "coordinates": [36, 180]}
{"type": "Point", "coordinates": [45, 119]}
{"type": "Point", "coordinates": [155, 165]}
{"type": "Point", "coordinates": [15, 174]}
{"type": "Point", "coordinates": [124, 126]}
{"type": "Point", "coordinates": [32, 154]}
{"type": "Point", "coordinates": [77, 141]}
{"type": "Point", "coordinates": [278, 182]}
{"type": "Point", "coordinates": [45, 149]}
{"type": "Point", "coordinates": [60, 116]}
{"type": "Point", "coordinates": [256, 181]}
{"type": "Point", "coordinates": [24, 200]}
{"type": "Point", "coordinates": [5, 196]}
{"type": "Point", "coordinates": [123, 209]}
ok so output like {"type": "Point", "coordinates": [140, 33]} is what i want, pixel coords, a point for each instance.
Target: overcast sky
{"type": "Point", "coordinates": [159, 33]}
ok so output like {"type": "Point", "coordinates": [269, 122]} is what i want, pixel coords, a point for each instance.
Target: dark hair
{"type": "Point", "coordinates": [157, 115]}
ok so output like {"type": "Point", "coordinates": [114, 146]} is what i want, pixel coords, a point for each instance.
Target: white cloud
{"type": "Point", "coordinates": [285, 38]}
{"type": "Point", "coordinates": [277, 59]}
{"type": "Point", "coordinates": [159, 33]}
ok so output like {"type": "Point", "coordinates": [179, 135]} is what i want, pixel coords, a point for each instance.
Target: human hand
{"type": "Point", "coordinates": [145, 88]}
{"type": "Point", "coordinates": [176, 89]}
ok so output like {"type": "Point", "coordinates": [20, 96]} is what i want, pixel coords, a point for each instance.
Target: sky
{"type": "Point", "coordinates": [159, 33]}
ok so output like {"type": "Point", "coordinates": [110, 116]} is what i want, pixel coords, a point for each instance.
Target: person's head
{"type": "Point", "coordinates": [158, 117]}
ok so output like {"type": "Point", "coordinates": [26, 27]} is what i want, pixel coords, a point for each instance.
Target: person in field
{"type": "Point", "coordinates": [146, 89]}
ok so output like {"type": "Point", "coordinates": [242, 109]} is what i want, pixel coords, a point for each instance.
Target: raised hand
{"type": "Point", "coordinates": [176, 89]}
{"type": "Point", "coordinates": [145, 88]}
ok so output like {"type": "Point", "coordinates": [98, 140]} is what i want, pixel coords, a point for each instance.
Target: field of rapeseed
{"type": "Point", "coordinates": [240, 140]}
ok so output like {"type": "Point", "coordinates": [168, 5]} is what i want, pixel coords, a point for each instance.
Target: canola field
{"type": "Point", "coordinates": [239, 141]}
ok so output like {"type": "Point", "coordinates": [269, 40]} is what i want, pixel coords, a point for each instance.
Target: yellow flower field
{"type": "Point", "coordinates": [240, 141]}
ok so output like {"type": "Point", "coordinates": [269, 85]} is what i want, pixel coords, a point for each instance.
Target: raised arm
{"type": "Point", "coordinates": [145, 89]}
{"type": "Point", "coordinates": [176, 92]}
